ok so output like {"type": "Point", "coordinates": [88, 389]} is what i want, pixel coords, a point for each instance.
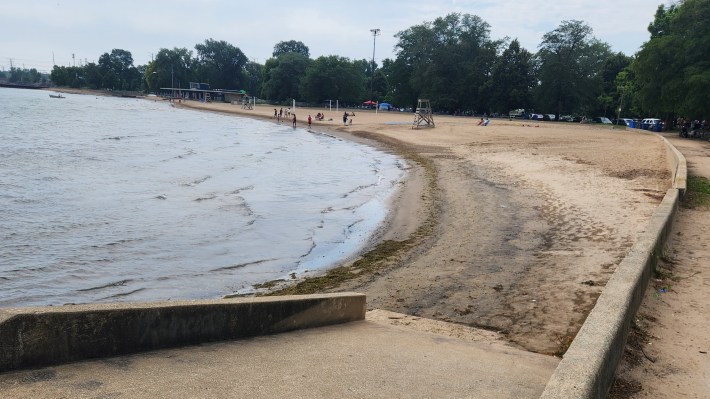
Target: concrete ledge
{"type": "Point", "coordinates": [679, 167]}
{"type": "Point", "coordinates": [587, 368]}
{"type": "Point", "coordinates": [33, 337]}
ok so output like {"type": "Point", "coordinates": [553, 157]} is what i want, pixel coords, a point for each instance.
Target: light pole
{"type": "Point", "coordinates": [375, 33]}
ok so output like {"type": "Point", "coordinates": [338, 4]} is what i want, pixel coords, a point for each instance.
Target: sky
{"type": "Point", "coordinates": [41, 33]}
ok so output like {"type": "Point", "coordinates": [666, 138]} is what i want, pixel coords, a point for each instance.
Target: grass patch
{"type": "Point", "coordinates": [697, 194]}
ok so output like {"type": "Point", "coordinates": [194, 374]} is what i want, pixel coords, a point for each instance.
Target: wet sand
{"type": "Point", "coordinates": [530, 218]}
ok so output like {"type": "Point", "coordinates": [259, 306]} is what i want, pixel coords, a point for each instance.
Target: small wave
{"type": "Point", "coordinates": [197, 181]}
{"type": "Point", "coordinates": [118, 137]}
{"type": "Point", "coordinates": [240, 265]}
{"type": "Point", "coordinates": [112, 243]}
{"type": "Point", "coordinates": [209, 197]}
{"type": "Point", "coordinates": [358, 188]}
{"type": "Point", "coordinates": [109, 285]}
{"type": "Point", "coordinates": [122, 294]}
{"type": "Point", "coordinates": [312, 247]}
{"type": "Point", "coordinates": [239, 190]}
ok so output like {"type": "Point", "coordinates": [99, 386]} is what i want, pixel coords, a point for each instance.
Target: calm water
{"type": "Point", "coordinates": [107, 199]}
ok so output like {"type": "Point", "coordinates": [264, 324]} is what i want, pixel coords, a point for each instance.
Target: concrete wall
{"type": "Point", "coordinates": [588, 367]}
{"type": "Point", "coordinates": [33, 337]}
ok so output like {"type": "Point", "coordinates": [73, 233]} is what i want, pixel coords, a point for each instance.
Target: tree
{"type": "Point", "coordinates": [512, 79]}
{"type": "Point", "coordinates": [253, 77]}
{"type": "Point", "coordinates": [291, 46]}
{"type": "Point", "coordinates": [117, 70]}
{"type": "Point", "coordinates": [610, 95]}
{"type": "Point", "coordinates": [170, 67]}
{"type": "Point", "coordinates": [447, 60]}
{"type": "Point", "coordinates": [220, 64]}
{"type": "Point", "coordinates": [333, 77]}
{"type": "Point", "coordinates": [672, 69]}
{"type": "Point", "coordinates": [282, 76]}
{"type": "Point", "coordinates": [570, 61]}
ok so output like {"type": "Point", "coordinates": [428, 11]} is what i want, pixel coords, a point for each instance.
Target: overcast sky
{"type": "Point", "coordinates": [33, 30]}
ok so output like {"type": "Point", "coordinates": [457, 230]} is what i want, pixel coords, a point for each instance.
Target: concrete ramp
{"type": "Point", "coordinates": [387, 355]}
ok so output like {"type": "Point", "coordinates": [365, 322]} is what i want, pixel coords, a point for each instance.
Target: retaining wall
{"type": "Point", "coordinates": [33, 337]}
{"type": "Point", "coordinates": [588, 367]}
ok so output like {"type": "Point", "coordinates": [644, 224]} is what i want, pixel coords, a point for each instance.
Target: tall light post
{"type": "Point", "coordinates": [375, 33]}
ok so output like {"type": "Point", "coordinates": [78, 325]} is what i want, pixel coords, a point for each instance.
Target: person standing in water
{"type": "Point", "coordinates": [345, 118]}
{"type": "Point", "coordinates": [294, 120]}
{"type": "Point", "coordinates": [309, 121]}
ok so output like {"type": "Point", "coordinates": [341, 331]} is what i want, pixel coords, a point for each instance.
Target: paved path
{"type": "Point", "coordinates": [389, 356]}
{"type": "Point", "coordinates": [675, 314]}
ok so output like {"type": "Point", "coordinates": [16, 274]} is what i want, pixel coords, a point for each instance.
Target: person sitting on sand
{"type": "Point", "coordinates": [486, 122]}
{"type": "Point", "coordinates": [480, 123]}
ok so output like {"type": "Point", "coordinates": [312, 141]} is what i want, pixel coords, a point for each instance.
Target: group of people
{"type": "Point", "coordinates": [347, 117]}
{"type": "Point", "coordinates": [695, 128]}
{"type": "Point", "coordinates": [278, 115]}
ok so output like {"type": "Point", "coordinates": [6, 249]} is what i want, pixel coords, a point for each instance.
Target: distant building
{"type": "Point", "coordinates": [202, 92]}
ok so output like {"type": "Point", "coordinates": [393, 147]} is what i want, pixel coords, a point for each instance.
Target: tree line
{"type": "Point", "coordinates": [453, 62]}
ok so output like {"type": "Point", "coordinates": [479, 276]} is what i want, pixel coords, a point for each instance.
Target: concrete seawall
{"type": "Point", "coordinates": [587, 368]}
{"type": "Point", "coordinates": [34, 337]}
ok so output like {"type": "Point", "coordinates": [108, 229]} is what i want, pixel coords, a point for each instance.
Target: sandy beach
{"type": "Point", "coordinates": [513, 228]}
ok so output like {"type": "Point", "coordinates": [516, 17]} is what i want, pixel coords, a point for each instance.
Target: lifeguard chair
{"type": "Point", "coordinates": [423, 115]}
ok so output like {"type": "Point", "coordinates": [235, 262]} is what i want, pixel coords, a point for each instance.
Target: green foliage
{"type": "Point", "coordinates": [282, 76]}
{"type": "Point", "coordinates": [333, 77]}
{"type": "Point", "coordinates": [25, 76]}
{"type": "Point", "coordinates": [570, 61]}
{"type": "Point", "coordinates": [447, 60]}
{"type": "Point", "coordinates": [512, 80]}
{"type": "Point", "coordinates": [170, 67]}
{"type": "Point", "coordinates": [253, 77]}
{"type": "Point", "coordinates": [291, 46]}
{"type": "Point", "coordinates": [117, 71]}
{"type": "Point", "coordinates": [673, 68]}
{"type": "Point", "coordinates": [220, 64]}
{"type": "Point", "coordinates": [698, 192]}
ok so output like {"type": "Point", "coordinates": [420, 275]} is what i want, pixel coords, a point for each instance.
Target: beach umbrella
{"type": "Point", "coordinates": [369, 102]}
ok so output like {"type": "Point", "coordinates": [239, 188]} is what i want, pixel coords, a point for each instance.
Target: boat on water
{"type": "Point", "coordinates": [56, 96]}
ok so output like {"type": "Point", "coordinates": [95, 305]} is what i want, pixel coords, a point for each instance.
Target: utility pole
{"type": "Point", "coordinates": [73, 59]}
{"type": "Point", "coordinates": [375, 33]}
{"type": "Point", "coordinates": [53, 63]}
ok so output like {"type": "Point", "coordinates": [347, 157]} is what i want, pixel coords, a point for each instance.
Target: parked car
{"type": "Point", "coordinates": [536, 117]}
{"type": "Point", "coordinates": [651, 124]}
{"type": "Point", "coordinates": [601, 119]}
{"type": "Point", "coordinates": [549, 117]}
{"type": "Point", "coordinates": [624, 122]}
{"type": "Point", "coordinates": [566, 118]}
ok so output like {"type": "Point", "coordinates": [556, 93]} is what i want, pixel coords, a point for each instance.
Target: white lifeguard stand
{"type": "Point", "coordinates": [423, 115]}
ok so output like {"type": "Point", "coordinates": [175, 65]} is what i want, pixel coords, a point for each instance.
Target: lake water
{"type": "Point", "coordinates": [108, 199]}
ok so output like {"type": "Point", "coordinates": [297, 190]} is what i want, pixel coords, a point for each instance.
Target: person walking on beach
{"type": "Point", "coordinates": [345, 118]}
{"type": "Point", "coordinates": [309, 121]}
{"type": "Point", "coordinates": [276, 114]}
{"type": "Point", "coordinates": [281, 113]}
{"type": "Point", "coordinates": [294, 121]}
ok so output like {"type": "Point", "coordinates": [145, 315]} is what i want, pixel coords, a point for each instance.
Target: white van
{"type": "Point", "coordinates": [650, 123]}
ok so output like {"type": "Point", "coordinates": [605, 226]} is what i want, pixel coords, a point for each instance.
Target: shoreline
{"type": "Point", "coordinates": [518, 227]}
{"type": "Point", "coordinates": [523, 223]}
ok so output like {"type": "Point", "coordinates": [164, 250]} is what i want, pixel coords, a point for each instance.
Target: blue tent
{"type": "Point", "coordinates": [386, 106]}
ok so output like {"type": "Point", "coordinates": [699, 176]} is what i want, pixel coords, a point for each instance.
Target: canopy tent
{"type": "Point", "coordinates": [386, 106]}
{"type": "Point", "coordinates": [369, 102]}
